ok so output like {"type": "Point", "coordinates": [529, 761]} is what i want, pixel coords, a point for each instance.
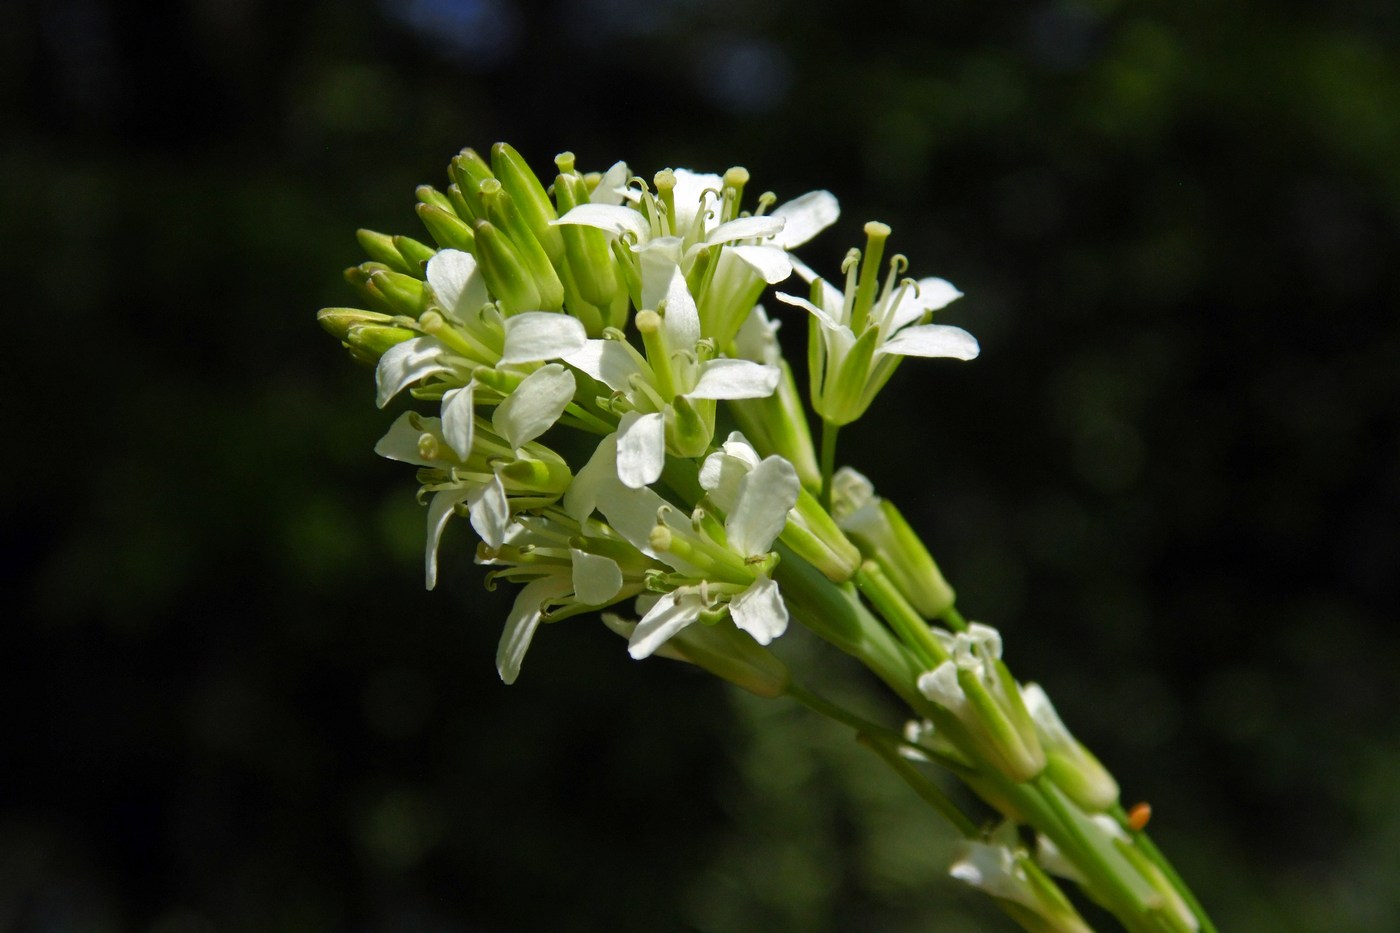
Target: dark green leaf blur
{"type": "Point", "coordinates": [1172, 479]}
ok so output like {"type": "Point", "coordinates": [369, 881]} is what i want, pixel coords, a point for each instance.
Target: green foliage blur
{"type": "Point", "coordinates": [1172, 479]}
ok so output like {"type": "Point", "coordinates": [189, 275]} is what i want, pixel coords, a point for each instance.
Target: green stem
{"type": "Point", "coordinates": [954, 619]}
{"type": "Point", "coordinates": [1154, 854]}
{"type": "Point", "coordinates": [828, 462]}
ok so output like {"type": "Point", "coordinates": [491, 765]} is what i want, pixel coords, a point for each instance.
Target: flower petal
{"type": "Point", "coordinates": [930, 295]}
{"type": "Point", "coordinates": [641, 448]}
{"type": "Point", "coordinates": [931, 340]}
{"type": "Point", "coordinates": [760, 611]}
{"type": "Point", "coordinates": [806, 216]}
{"type": "Point", "coordinates": [745, 228]}
{"type": "Point", "coordinates": [769, 492]}
{"type": "Point", "coordinates": [682, 319]}
{"type": "Point", "coordinates": [440, 508]}
{"type": "Point", "coordinates": [597, 579]}
{"type": "Point", "coordinates": [768, 261]}
{"type": "Point", "coordinates": [457, 284]}
{"type": "Point", "coordinates": [535, 405]}
{"type": "Point", "coordinates": [615, 219]}
{"type": "Point", "coordinates": [672, 612]}
{"type": "Point", "coordinates": [541, 335]}
{"type": "Point", "coordinates": [826, 319]}
{"type": "Point", "coordinates": [607, 361]}
{"type": "Point", "coordinates": [659, 260]}
{"type": "Point", "coordinates": [489, 510]}
{"type": "Point", "coordinates": [406, 363]}
{"type": "Point", "coordinates": [724, 378]}
{"type": "Point", "coordinates": [612, 187]}
{"type": "Point", "coordinates": [524, 618]}
{"type": "Point", "coordinates": [457, 422]}
{"type": "Point", "coordinates": [401, 441]}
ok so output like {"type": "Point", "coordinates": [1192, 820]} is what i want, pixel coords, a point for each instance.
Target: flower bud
{"type": "Point", "coordinates": [506, 273]}
{"type": "Point", "coordinates": [529, 196]}
{"type": "Point", "coordinates": [1072, 767]}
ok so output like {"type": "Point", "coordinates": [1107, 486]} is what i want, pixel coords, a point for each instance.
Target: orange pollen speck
{"type": "Point", "coordinates": [1138, 816]}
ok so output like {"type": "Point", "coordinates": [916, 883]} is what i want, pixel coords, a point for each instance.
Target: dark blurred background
{"type": "Point", "coordinates": [1172, 478]}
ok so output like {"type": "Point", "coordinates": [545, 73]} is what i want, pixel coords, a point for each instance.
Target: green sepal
{"type": "Point", "coordinates": [381, 248]}
{"type": "Point", "coordinates": [530, 198]}
{"type": "Point", "coordinates": [526, 475]}
{"type": "Point", "coordinates": [844, 397]}
{"type": "Point", "coordinates": [689, 432]}
{"type": "Point", "coordinates": [504, 213]}
{"type": "Point", "coordinates": [469, 170]}
{"type": "Point", "coordinates": [505, 271]}
{"type": "Point", "coordinates": [586, 248]}
{"type": "Point", "coordinates": [416, 254]}
{"type": "Point", "coordinates": [403, 293]}
{"type": "Point", "coordinates": [432, 197]}
{"type": "Point", "coordinates": [449, 230]}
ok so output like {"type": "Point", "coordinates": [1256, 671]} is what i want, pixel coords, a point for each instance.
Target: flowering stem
{"type": "Point", "coordinates": [1154, 854]}
{"type": "Point", "coordinates": [828, 464]}
{"type": "Point", "coordinates": [903, 618]}
{"type": "Point", "coordinates": [954, 619]}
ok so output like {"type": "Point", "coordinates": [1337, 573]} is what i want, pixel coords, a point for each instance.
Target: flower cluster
{"type": "Point", "coordinates": [626, 311]}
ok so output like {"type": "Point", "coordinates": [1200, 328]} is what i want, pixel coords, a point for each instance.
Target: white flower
{"type": "Point", "coordinates": [860, 345]}
{"type": "Point", "coordinates": [1001, 869]}
{"type": "Point", "coordinates": [678, 365]}
{"type": "Point", "coordinates": [720, 570]}
{"type": "Point", "coordinates": [466, 332]}
{"type": "Point", "coordinates": [755, 248]}
{"type": "Point", "coordinates": [560, 580]}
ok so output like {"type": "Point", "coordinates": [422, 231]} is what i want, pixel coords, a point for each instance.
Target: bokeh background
{"type": "Point", "coordinates": [1171, 479]}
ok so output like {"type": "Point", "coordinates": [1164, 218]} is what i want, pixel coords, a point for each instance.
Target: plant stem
{"type": "Point", "coordinates": [828, 460]}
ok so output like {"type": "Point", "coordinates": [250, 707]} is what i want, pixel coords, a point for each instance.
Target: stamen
{"type": "Point", "coordinates": [765, 200]}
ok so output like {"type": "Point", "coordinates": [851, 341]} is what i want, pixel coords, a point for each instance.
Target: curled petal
{"type": "Point", "coordinates": [760, 611]}
{"type": "Point", "coordinates": [405, 363]}
{"type": "Point", "coordinates": [768, 261]}
{"type": "Point", "coordinates": [401, 441]}
{"type": "Point", "coordinates": [746, 228]}
{"type": "Point", "coordinates": [457, 425]}
{"type": "Point", "coordinates": [490, 511]}
{"type": "Point", "coordinates": [524, 618]}
{"type": "Point", "coordinates": [607, 361]}
{"type": "Point", "coordinates": [440, 509]}
{"type": "Point", "coordinates": [672, 612]}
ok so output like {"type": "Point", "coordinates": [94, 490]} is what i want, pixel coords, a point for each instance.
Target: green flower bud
{"type": "Point", "coordinates": [381, 248]}
{"type": "Point", "coordinates": [468, 171]}
{"type": "Point", "coordinates": [506, 273]}
{"type": "Point", "coordinates": [530, 198]}
{"type": "Point", "coordinates": [403, 293]}
{"type": "Point", "coordinates": [449, 230]}
{"type": "Point", "coordinates": [504, 213]}
{"type": "Point", "coordinates": [1072, 767]}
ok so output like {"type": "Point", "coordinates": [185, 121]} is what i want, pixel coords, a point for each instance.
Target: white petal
{"type": "Point", "coordinates": [607, 361]}
{"type": "Point", "coordinates": [659, 260]}
{"type": "Point", "coordinates": [768, 261]}
{"type": "Point", "coordinates": [931, 295]}
{"type": "Point", "coordinates": [535, 405]}
{"type": "Point", "coordinates": [406, 363]}
{"type": "Point", "coordinates": [672, 612]}
{"type": "Point", "coordinates": [457, 284]}
{"type": "Point", "coordinates": [401, 441]}
{"type": "Point", "coordinates": [610, 218]}
{"type": "Point", "coordinates": [745, 228]}
{"type": "Point", "coordinates": [541, 335]}
{"type": "Point", "coordinates": [581, 498]}
{"type": "Point", "coordinates": [641, 448]}
{"type": "Point", "coordinates": [723, 472]}
{"type": "Point", "coordinates": [767, 494]}
{"type": "Point", "coordinates": [941, 686]}
{"type": "Point", "coordinates": [725, 378]}
{"type": "Point", "coordinates": [689, 186]}
{"type": "Point", "coordinates": [596, 579]}
{"type": "Point", "coordinates": [612, 187]}
{"type": "Point", "coordinates": [682, 318]}
{"type": "Point", "coordinates": [457, 422]}
{"type": "Point", "coordinates": [524, 618]}
{"type": "Point", "coordinates": [757, 339]}
{"type": "Point", "coordinates": [490, 511]}
{"type": "Point", "coordinates": [760, 611]}
{"type": "Point", "coordinates": [993, 869]}
{"type": "Point", "coordinates": [827, 319]}
{"type": "Point", "coordinates": [806, 217]}
{"type": "Point", "coordinates": [440, 509]}
{"type": "Point", "coordinates": [931, 340]}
